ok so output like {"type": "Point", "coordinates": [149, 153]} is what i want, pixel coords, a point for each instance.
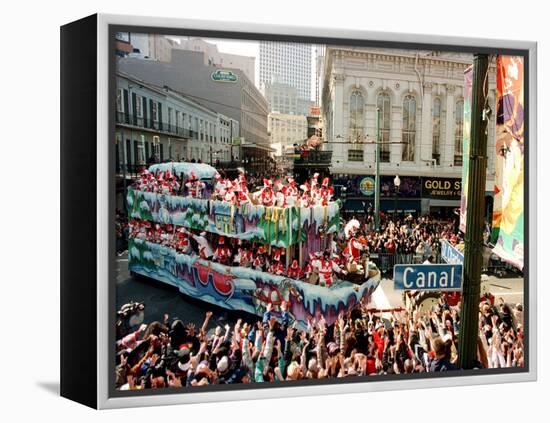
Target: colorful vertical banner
{"type": "Point", "coordinates": [509, 164]}
{"type": "Point", "coordinates": [468, 82]}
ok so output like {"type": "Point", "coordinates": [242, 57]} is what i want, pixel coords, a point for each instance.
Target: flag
{"type": "Point", "coordinates": [508, 209]}
{"type": "Point", "coordinates": [468, 82]}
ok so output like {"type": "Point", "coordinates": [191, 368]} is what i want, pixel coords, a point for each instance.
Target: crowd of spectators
{"type": "Point", "coordinates": [365, 342]}
{"type": "Point", "coordinates": [408, 237]}
{"type": "Point", "coordinates": [121, 232]}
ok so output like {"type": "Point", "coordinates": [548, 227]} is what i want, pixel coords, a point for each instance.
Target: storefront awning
{"type": "Point", "coordinates": [259, 147]}
{"type": "Point", "coordinates": [402, 205]}
{"type": "Point", "coordinates": [444, 203]}
{"type": "Point", "coordinates": [353, 206]}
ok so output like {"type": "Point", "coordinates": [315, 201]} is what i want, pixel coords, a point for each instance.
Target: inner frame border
{"type": "Point", "coordinates": [107, 396]}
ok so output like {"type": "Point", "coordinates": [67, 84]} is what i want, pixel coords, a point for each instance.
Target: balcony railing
{"type": "Point", "coordinates": [141, 122]}
{"type": "Point", "coordinates": [314, 158]}
{"type": "Point", "coordinates": [130, 170]}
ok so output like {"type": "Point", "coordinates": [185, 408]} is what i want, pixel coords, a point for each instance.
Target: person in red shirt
{"type": "Point", "coordinates": [182, 241]}
{"type": "Point", "coordinates": [277, 267]}
{"type": "Point", "coordinates": [294, 271]}
{"type": "Point", "coordinates": [326, 192]}
{"type": "Point", "coordinates": [222, 254]}
{"type": "Point", "coordinates": [195, 186]}
{"type": "Point", "coordinates": [378, 338]}
{"type": "Point", "coordinates": [266, 194]}
{"type": "Point", "coordinates": [390, 246]}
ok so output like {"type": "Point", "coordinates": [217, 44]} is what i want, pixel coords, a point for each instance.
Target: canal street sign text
{"type": "Point", "coordinates": [450, 254]}
{"type": "Point", "coordinates": [428, 277]}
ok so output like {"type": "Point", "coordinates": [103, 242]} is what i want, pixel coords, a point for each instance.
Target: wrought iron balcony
{"type": "Point", "coordinates": [144, 123]}
{"type": "Point", "coordinates": [313, 158]}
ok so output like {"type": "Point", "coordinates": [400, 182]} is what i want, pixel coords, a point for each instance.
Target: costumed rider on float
{"type": "Point", "coordinates": [354, 247]}
{"type": "Point", "coordinates": [195, 186]}
{"type": "Point", "coordinates": [327, 268]}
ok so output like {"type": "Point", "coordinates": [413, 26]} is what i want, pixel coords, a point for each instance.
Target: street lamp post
{"type": "Point", "coordinates": [377, 179]}
{"type": "Point", "coordinates": [477, 164]}
{"type": "Point", "coordinates": [343, 193]}
{"type": "Point", "coordinates": [397, 183]}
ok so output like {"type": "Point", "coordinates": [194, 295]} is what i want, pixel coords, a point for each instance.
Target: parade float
{"type": "Point", "coordinates": [298, 231]}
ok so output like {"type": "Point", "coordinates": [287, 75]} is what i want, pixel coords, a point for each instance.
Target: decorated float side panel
{"type": "Point", "coordinates": [244, 289]}
{"type": "Point", "coordinates": [276, 226]}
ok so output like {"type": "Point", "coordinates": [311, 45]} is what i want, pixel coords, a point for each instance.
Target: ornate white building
{"type": "Point", "coordinates": [420, 97]}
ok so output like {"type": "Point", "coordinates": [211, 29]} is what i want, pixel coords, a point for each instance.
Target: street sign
{"type": "Point", "coordinates": [427, 277]}
{"type": "Point", "coordinates": [224, 76]}
{"type": "Point", "coordinates": [450, 254]}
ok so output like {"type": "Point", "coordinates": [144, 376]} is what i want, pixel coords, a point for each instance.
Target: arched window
{"type": "Point", "coordinates": [356, 116]}
{"type": "Point", "coordinates": [459, 125]}
{"type": "Point", "coordinates": [436, 126]}
{"type": "Point", "coordinates": [383, 104]}
{"type": "Point", "coordinates": [409, 128]}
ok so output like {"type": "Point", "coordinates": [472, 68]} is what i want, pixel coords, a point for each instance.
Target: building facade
{"type": "Point", "coordinates": [420, 101]}
{"type": "Point", "coordinates": [156, 124]}
{"type": "Point", "coordinates": [286, 130]}
{"type": "Point", "coordinates": [213, 57]}
{"type": "Point", "coordinates": [226, 91]}
{"type": "Point", "coordinates": [152, 46]}
{"type": "Point", "coordinates": [288, 63]}
{"type": "Point", "coordinates": [314, 125]}
{"type": "Point", "coordinates": [283, 98]}
{"type": "Point", "coordinates": [319, 62]}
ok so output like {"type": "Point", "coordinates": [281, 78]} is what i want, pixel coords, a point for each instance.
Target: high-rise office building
{"type": "Point", "coordinates": [287, 63]}
{"type": "Point", "coordinates": [319, 59]}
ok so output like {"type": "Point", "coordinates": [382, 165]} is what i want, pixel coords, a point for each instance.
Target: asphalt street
{"type": "Point", "coordinates": [160, 298]}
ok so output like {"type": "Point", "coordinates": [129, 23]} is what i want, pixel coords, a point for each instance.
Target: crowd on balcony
{"type": "Point", "coordinates": [362, 343]}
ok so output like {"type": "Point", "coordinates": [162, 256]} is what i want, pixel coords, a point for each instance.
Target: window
{"type": "Point", "coordinates": [356, 115]}
{"type": "Point", "coordinates": [120, 100]}
{"type": "Point", "coordinates": [170, 118]}
{"type": "Point", "coordinates": [118, 152]}
{"type": "Point", "coordinates": [409, 128]}
{"type": "Point", "coordinates": [139, 106]}
{"type": "Point", "coordinates": [355, 155]}
{"type": "Point", "coordinates": [155, 111]}
{"type": "Point", "coordinates": [127, 154]}
{"type": "Point", "coordinates": [436, 127]}
{"type": "Point", "coordinates": [383, 104]}
{"type": "Point", "coordinates": [459, 121]}
{"type": "Point", "coordinates": [178, 120]}
{"type": "Point", "coordinates": [140, 152]}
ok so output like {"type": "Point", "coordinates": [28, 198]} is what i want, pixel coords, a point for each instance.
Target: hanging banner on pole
{"type": "Point", "coordinates": [507, 233]}
{"type": "Point", "coordinates": [468, 81]}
